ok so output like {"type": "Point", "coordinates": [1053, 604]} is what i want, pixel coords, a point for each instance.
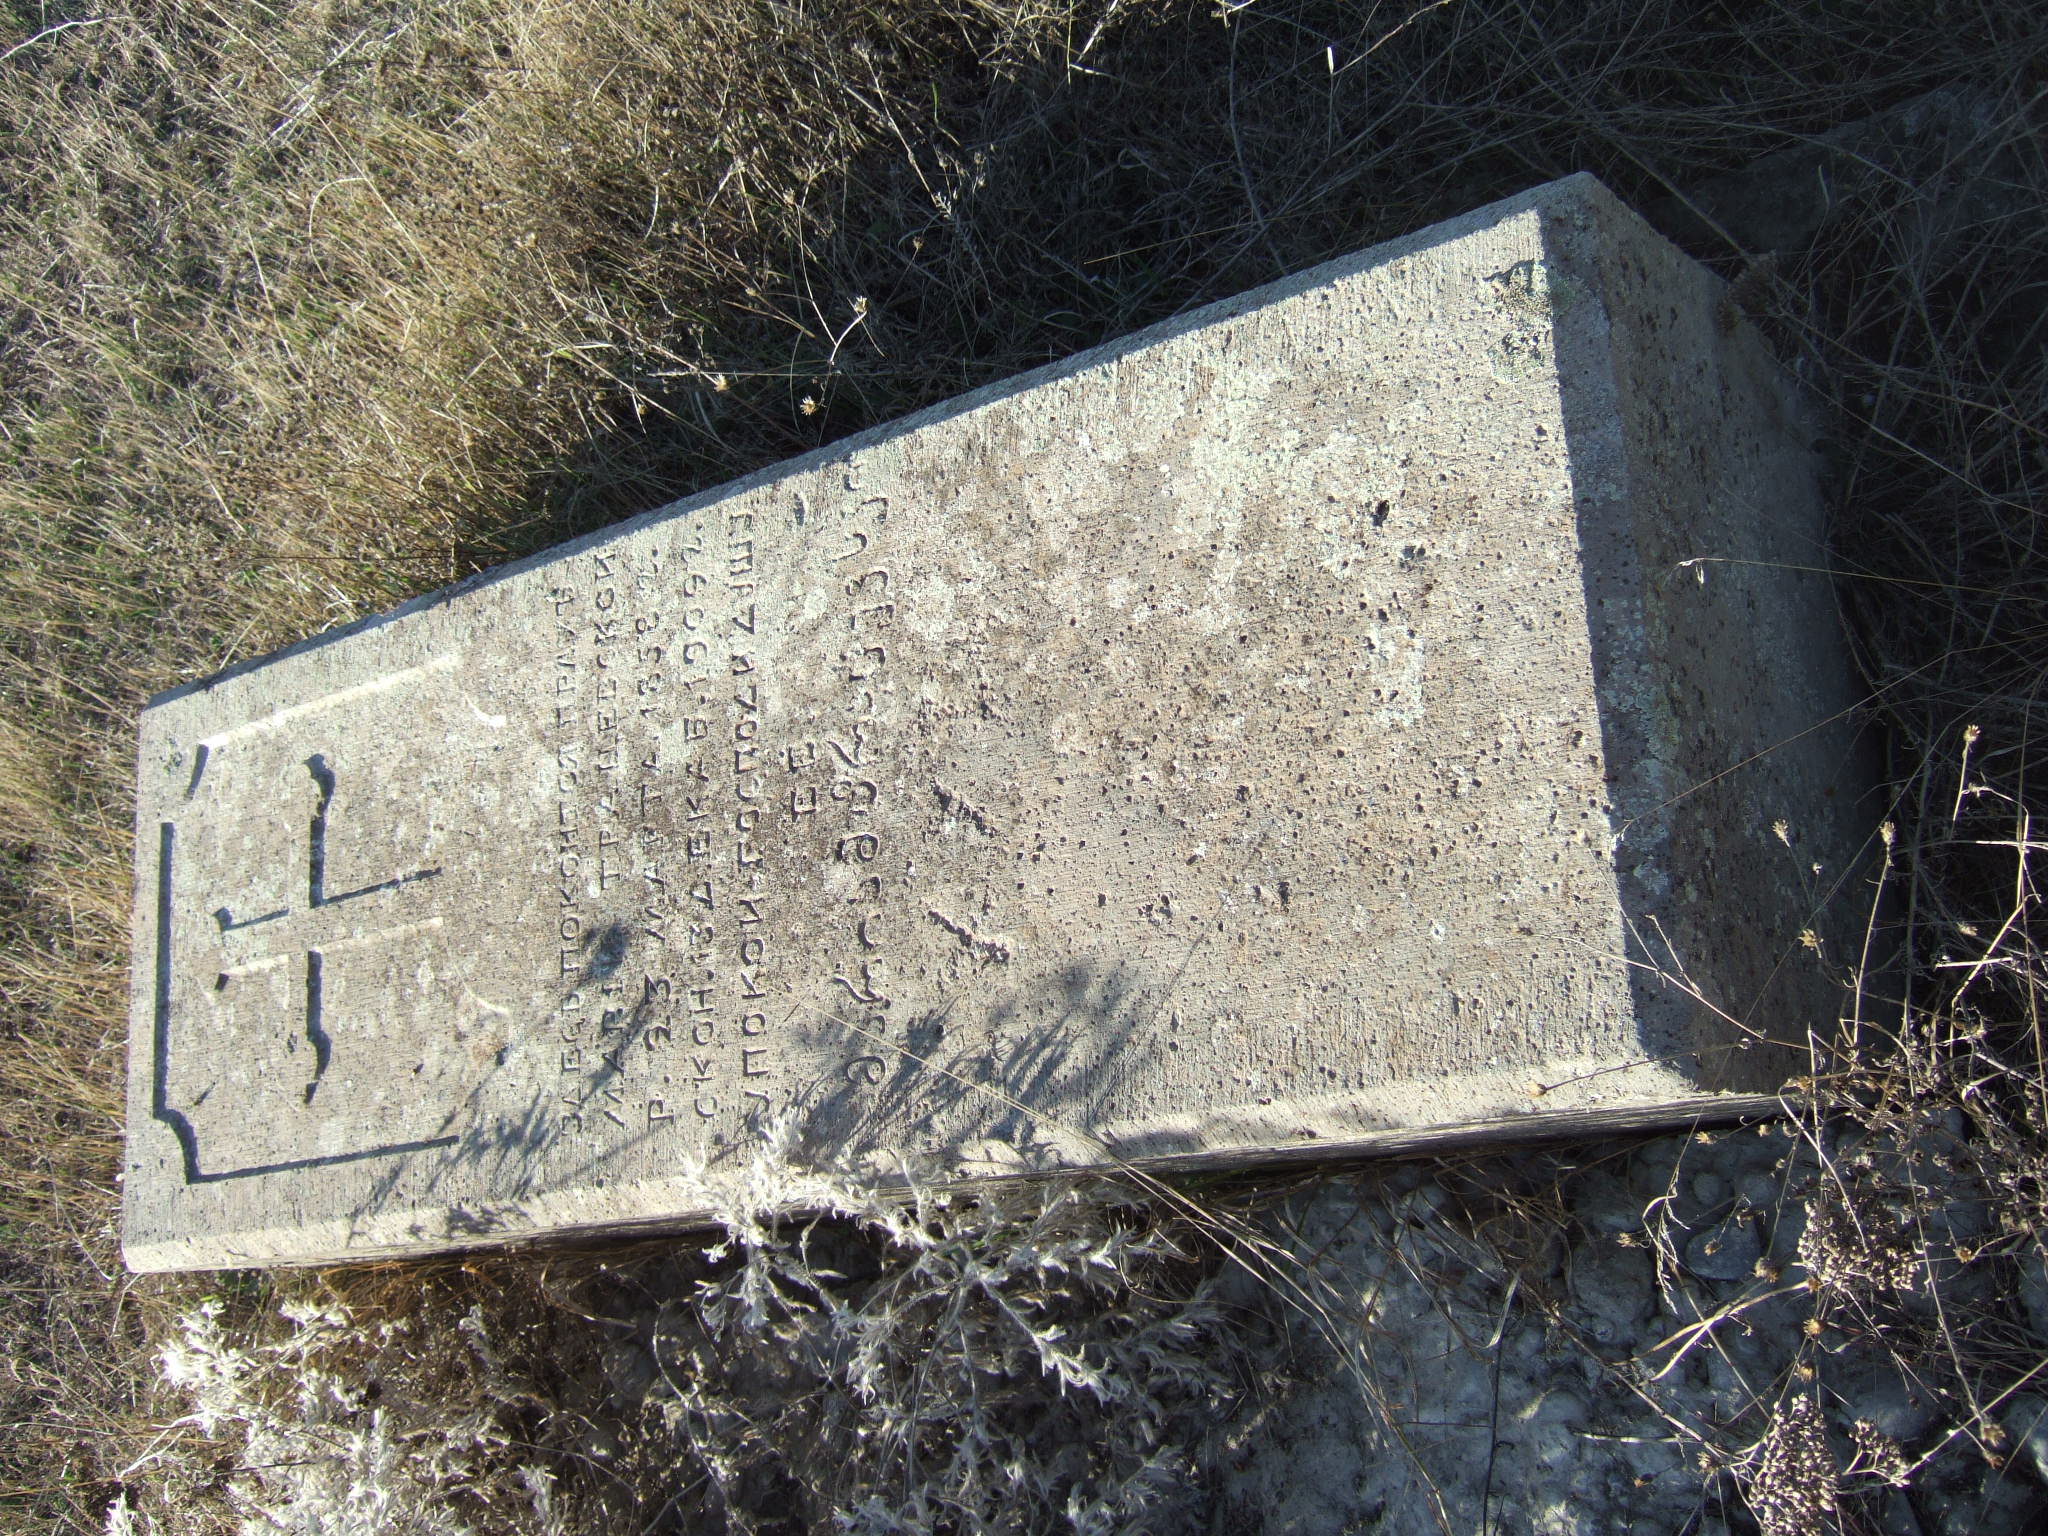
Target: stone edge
{"type": "Point", "coordinates": [326, 1243]}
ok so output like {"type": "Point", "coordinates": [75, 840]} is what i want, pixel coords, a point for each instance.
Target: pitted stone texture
{"type": "Point", "coordinates": [1294, 729]}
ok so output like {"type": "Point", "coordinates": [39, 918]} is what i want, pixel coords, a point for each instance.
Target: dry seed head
{"type": "Point", "coordinates": [1878, 1454]}
{"type": "Point", "coordinates": [1841, 1253]}
{"type": "Point", "coordinates": [1792, 1489]}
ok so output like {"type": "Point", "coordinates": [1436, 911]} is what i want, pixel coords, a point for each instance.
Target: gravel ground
{"type": "Point", "coordinates": [1689, 1335]}
{"type": "Point", "coordinates": [1522, 1376]}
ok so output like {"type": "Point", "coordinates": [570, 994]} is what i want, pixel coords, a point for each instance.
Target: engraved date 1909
{"type": "Point", "coordinates": [670, 808]}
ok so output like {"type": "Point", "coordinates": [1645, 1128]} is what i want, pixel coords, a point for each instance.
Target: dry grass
{"type": "Point", "coordinates": [310, 308]}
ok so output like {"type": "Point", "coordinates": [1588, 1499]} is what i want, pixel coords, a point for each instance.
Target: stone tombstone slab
{"type": "Point", "coordinates": [1292, 730]}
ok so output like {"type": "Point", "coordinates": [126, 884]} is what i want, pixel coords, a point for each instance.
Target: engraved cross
{"type": "Point", "coordinates": [304, 936]}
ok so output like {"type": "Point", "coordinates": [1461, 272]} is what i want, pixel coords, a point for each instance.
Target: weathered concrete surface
{"type": "Point", "coordinates": [1293, 729]}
